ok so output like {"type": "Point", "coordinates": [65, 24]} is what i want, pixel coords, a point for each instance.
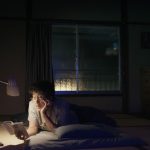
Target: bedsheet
{"type": "Point", "coordinates": [46, 141]}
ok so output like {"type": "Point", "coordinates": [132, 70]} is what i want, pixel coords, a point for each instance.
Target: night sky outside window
{"type": "Point", "coordinates": [86, 58]}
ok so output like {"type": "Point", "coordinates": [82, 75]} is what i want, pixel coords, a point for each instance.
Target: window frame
{"type": "Point", "coordinates": [96, 93]}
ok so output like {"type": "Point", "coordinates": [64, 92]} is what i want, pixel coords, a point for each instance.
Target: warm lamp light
{"type": "Point", "coordinates": [11, 90]}
{"type": "Point", "coordinates": [11, 87]}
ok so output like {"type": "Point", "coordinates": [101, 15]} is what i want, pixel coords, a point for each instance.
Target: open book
{"type": "Point", "coordinates": [15, 127]}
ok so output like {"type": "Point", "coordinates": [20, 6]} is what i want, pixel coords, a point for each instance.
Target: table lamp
{"type": "Point", "coordinates": [11, 90]}
{"type": "Point", "coordinates": [11, 87]}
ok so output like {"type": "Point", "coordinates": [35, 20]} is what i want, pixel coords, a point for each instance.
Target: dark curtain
{"type": "Point", "coordinates": [38, 53]}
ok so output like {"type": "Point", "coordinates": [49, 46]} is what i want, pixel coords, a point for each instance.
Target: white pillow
{"type": "Point", "coordinates": [81, 131]}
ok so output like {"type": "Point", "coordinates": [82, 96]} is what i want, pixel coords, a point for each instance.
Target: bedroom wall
{"type": "Point", "coordinates": [12, 63]}
{"type": "Point", "coordinates": [13, 18]}
{"type": "Point", "coordinates": [139, 59]}
{"type": "Point", "coordinates": [12, 53]}
{"type": "Point", "coordinates": [138, 22]}
{"type": "Point", "coordinates": [77, 10]}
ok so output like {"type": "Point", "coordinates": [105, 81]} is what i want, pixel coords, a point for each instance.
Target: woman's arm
{"type": "Point", "coordinates": [50, 125]}
{"type": "Point", "coordinates": [32, 129]}
{"type": "Point", "coordinates": [48, 122]}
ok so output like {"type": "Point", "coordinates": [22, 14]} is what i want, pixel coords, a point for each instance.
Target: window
{"type": "Point", "coordinates": [86, 58]}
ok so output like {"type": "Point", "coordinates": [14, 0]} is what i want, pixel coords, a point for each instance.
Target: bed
{"type": "Point", "coordinates": [111, 132]}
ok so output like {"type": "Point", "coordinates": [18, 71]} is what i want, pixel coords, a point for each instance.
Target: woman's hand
{"type": "Point", "coordinates": [44, 106]}
{"type": "Point", "coordinates": [22, 135]}
{"type": "Point", "coordinates": [20, 131]}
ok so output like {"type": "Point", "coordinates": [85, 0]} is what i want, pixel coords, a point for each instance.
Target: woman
{"type": "Point", "coordinates": [46, 112]}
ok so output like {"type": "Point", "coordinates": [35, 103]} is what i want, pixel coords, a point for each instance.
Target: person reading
{"type": "Point", "coordinates": [45, 111]}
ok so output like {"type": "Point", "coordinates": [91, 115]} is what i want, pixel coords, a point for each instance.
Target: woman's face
{"type": "Point", "coordinates": [39, 100]}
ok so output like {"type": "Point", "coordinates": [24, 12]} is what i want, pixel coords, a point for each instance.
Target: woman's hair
{"type": "Point", "coordinates": [44, 88]}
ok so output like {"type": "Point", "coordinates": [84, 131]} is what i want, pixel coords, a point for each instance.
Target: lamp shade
{"type": "Point", "coordinates": [12, 88]}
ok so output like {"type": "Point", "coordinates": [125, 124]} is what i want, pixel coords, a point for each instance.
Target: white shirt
{"type": "Point", "coordinates": [60, 114]}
